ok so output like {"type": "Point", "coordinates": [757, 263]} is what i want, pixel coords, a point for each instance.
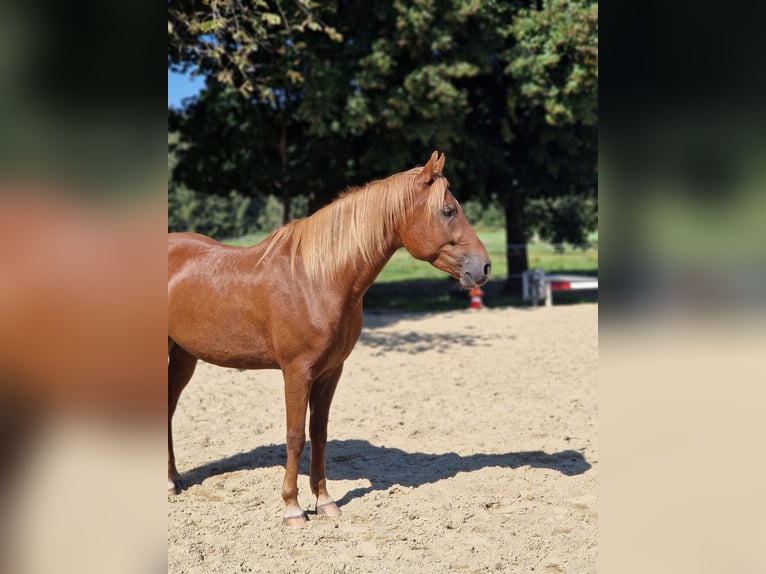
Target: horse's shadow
{"type": "Point", "coordinates": [386, 466]}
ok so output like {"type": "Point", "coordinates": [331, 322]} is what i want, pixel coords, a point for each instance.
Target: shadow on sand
{"type": "Point", "coordinates": [413, 342]}
{"type": "Point", "coordinates": [385, 466]}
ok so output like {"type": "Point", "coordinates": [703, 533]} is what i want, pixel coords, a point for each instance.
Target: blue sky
{"type": "Point", "coordinates": [181, 86]}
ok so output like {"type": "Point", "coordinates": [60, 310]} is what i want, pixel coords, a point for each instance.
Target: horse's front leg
{"type": "Point", "coordinates": [296, 401]}
{"type": "Point", "coordinates": [322, 393]}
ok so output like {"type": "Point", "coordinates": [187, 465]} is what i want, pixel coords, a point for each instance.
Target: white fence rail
{"type": "Point", "coordinates": [536, 285]}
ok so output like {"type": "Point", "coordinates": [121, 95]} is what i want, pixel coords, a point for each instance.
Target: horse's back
{"type": "Point", "coordinates": [199, 255]}
{"type": "Point", "coordinates": [189, 238]}
{"type": "Point", "coordinates": [186, 247]}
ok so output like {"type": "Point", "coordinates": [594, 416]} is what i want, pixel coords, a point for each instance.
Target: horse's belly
{"type": "Point", "coordinates": [244, 362]}
{"type": "Point", "coordinates": [225, 346]}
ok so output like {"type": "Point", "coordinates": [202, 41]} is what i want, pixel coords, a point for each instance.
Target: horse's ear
{"type": "Point", "coordinates": [439, 165]}
{"type": "Point", "coordinates": [426, 175]}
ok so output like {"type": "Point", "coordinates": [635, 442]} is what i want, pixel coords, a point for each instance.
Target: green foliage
{"type": "Point", "coordinates": [473, 211]}
{"type": "Point", "coordinates": [489, 216]}
{"type": "Point", "coordinates": [299, 207]}
{"type": "Point", "coordinates": [212, 215]}
{"type": "Point", "coordinates": [272, 214]}
{"type": "Point", "coordinates": [493, 216]}
{"type": "Point", "coordinates": [248, 45]}
{"type": "Point", "coordinates": [566, 219]}
{"type": "Point", "coordinates": [555, 60]}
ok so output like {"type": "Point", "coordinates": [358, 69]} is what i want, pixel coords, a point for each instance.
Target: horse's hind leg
{"type": "Point", "coordinates": [322, 392]}
{"type": "Point", "coordinates": [180, 369]}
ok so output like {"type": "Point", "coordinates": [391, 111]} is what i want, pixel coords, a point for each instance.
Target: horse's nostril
{"type": "Point", "coordinates": [487, 267]}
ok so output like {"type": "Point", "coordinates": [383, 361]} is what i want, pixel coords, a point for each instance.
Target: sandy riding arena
{"type": "Point", "coordinates": [462, 441]}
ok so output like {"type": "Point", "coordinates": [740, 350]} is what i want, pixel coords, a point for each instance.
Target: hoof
{"type": "Point", "coordinates": [174, 487]}
{"type": "Point", "coordinates": [295, 521]}
{"type": "Point", "coordinates": [328, 509]}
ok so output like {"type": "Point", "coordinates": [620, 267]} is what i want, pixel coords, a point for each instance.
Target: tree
{"type": "Point", "coordinates": [239, 135]}
{"type": "Point", "coordinates": [507, 89]}
{"type": "Point", "coordinates": [325, 113]}
{"type": "Point", "coordinates": [553, 62]}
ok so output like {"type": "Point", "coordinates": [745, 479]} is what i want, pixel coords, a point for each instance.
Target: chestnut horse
{"type": "Point", "coordinates": [294, 301]}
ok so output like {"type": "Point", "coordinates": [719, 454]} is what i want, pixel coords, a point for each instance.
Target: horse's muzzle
{"type": "Point", "coordinates": [475, 272]}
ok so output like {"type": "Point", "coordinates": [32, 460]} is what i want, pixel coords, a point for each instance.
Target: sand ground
{"type": "Point", "coordinates": [462, 441]}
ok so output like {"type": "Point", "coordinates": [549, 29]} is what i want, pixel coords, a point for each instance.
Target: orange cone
{"type": "Point", "coordinates": [476, 294]}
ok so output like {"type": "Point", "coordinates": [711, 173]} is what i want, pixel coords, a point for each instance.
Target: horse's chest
{"type": "Point", "coordinates": [341, 339]}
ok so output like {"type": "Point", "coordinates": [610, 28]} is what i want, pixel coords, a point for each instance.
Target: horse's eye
{"type": "Point", "coordinates": [449, 211]}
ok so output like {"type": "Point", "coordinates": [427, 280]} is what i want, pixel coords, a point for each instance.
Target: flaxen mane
{"type": "Point", "coordinates": [357, 222]}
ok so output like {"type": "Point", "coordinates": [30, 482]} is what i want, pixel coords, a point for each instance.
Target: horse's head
{"type": "Point", "coordinates": [437, 231]}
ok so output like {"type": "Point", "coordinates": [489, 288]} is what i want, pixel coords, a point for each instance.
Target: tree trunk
{"type": "Point", "coordinates": [286, 199]}
{"type": "Point", "coordinates": [516, 244]}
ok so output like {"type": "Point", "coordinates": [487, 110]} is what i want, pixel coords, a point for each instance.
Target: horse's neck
{"type": "Point", "coordinates": [358, 271]}
{"type": "Point", "coordinates": [365, 272]}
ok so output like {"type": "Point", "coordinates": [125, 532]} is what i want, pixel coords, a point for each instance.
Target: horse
{"type": "Point", "coordinates": [294, 301]}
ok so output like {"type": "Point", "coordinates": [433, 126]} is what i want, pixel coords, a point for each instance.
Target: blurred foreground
{"type": "Point", "coordinates": [682, 333]}
{"type": "Point", "coordinates": [82, 288]}
{"type": "Point", "coordinates": [82, 381]}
